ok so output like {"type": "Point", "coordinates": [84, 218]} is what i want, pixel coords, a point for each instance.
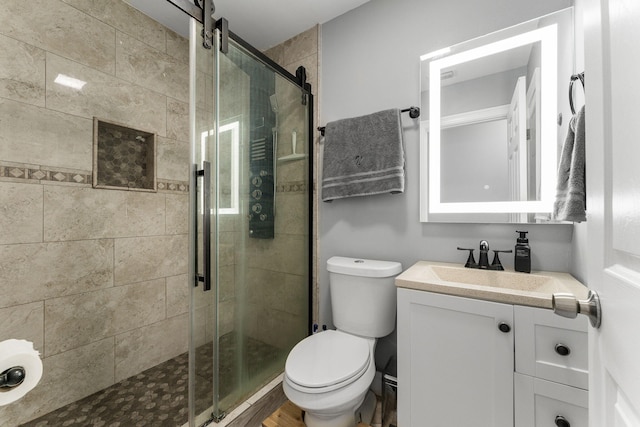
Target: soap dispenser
{"type": "Point", "coordinates": [522, 261]}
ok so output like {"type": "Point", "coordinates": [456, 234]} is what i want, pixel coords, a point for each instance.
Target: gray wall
{"type": "Point", "coordinates": [471, 157]}
{"type": "Point", "coordinates": [370, 62]}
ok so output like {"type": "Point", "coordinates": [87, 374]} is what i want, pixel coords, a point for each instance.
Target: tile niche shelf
{"type": "Point", "coordinates": [123, 158]}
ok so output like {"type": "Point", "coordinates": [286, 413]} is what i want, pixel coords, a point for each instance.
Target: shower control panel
{"type": "Point", "coordinates": [261, 183]}
{"type": "Point", "coordinates": [262, 144]}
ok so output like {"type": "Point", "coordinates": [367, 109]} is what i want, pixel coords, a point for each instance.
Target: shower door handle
{"type": "Point", "coordinates": [205, 173]}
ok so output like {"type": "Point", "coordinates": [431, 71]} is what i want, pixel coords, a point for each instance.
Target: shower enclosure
{"type": "Point", "coordinates": [249, 219]}
{"type": "Point", "coordinates": [100, 108]}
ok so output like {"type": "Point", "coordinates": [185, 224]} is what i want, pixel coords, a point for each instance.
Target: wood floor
{"type": "Point", "coordinates": [288, 415]}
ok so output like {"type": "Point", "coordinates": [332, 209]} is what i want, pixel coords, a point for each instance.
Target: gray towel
{"type": "Point", "coordinates": [363, 156]}
{"type": "Point", "coordinates": [571, 199]}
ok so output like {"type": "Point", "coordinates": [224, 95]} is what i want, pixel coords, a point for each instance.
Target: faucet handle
{"type": "Point", "coordinates": [471, 261]}
{"type": "Point", "coordinates": [496, 264]}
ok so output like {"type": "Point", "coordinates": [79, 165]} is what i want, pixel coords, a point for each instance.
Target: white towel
{"type": "Point", "coordinates": [363, 156]}
{"type": "Point", "coordinates": [571, 201]}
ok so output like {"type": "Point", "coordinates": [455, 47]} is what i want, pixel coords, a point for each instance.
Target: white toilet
{"type": "Point", "coordinates": [328, 374]}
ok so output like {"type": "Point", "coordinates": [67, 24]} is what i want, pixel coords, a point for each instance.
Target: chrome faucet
{"type": "Point", "coordinates": [483, 263]}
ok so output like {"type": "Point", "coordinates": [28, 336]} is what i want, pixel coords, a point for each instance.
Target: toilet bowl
{"type": "Point", "coordinates": [330, 393]}
{"type": "Point", "coordinates": [329, 374]}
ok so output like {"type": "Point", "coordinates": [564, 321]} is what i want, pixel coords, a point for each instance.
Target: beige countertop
{"type": "Point", "coordinates": [534, 289]}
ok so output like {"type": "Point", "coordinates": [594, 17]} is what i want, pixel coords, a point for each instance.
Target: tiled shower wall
{"type": "Point", "coordinates": [279, 316]}
{"type": "Point", "coordinates": [95, 278]}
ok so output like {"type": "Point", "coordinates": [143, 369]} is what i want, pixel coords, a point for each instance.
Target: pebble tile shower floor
{"type": "Point", "coordinates": [158, 397]}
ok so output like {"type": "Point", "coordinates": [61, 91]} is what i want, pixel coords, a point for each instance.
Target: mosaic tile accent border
{"type": "Point", "coordinates": [36, 173]}
{"type": "Point", "coordinates": [180, 186]}
{"type": "Point", "coordinates": [292, 187]}
{"type": "Point", "coordinates": [43, 173]}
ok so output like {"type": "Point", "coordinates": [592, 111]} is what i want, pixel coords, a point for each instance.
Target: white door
{"type": "Point", "coordinates": [612, 79]}
{"type": "Point", "coordinates": [517, 146]}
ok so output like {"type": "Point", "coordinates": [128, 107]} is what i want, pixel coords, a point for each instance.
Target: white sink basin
{"type": "Point", "coordinates": [511, 287]}
{"type": "Point", "coordinates": [495, 279]}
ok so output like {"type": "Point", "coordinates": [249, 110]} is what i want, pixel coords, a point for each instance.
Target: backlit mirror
{"type": "Point", "coordinates": [228, 164]}
{"type": "Point", "coordinates": [492, 123]}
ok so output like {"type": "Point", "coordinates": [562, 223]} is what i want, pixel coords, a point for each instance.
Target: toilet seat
{"type": "Point", "coordinates": [327, 361]}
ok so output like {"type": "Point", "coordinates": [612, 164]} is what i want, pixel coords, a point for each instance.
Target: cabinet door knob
{"type": "Point", "coordinates": [504, 327]}
{"type": "Point", "coordinates": [562, 350]}
{"type": "Point", "coordinates": [562, 421]}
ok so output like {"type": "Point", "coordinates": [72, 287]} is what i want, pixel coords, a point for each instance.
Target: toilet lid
{"type": "Point", "coordinates": [327, 358]}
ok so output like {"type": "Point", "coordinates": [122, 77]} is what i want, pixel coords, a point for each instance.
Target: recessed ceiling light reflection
{"type": "Point", "coordinates": [65, 80]}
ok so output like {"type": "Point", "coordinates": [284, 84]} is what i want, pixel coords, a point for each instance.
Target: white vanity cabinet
{"type": "Point", "coordinates": [469, 362]}
{"type": "Point", "coordinates": [552, 372]}
{"type": "Point", "coordinates": [455, 361]}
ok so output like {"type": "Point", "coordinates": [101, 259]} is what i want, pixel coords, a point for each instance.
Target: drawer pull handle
{"type": "Point", "coordinates": [563, 350]}
{"type": "Point", "coordinates": [504, 327]}
{"type": "Point", "coordinates": [562, 421]}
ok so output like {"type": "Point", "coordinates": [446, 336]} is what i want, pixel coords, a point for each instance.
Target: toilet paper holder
{"type": "Point", "coordinates": [12, 377]}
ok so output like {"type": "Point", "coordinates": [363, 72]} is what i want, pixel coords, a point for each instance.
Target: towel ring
{"type": "Point", "coordinates": [575, 77]}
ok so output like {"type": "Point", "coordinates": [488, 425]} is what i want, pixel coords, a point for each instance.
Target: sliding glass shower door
{"type": "Point", "coordinates": [250, 224]}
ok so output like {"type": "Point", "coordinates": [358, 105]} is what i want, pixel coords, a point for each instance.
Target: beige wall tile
{"type": "Point", "coordinates": [273, 290]}
{"type": "Point", "coordinates": [295, 296]}
{"type": "Point", "coordinates": [178, 120]}
{"type": "Point", "coordinates": [300, 46]}
{"type": "Point", "coordinates": [276, 54]}
{"type": "Point", "coordinates": [264, 287]}
{"type": "Point", "coordinates": [177, 295]}
{"type": "Point", "coordinates": [77, 320]}
{"type": "Point", "coordinates": [292, 215]}
{"type": "Point", "coordinates": [226, 318]}
{"type": "Point", "coordinates": [67, 377]}
{"type": "Point", "coordinates": [56, 27]}
{"type": "Point", "coordinates": [172, 159]}
{"type": "Point", "coordinates": [303, 50]}
{"type": "Point", "coordinates": [177, 214]}
{"type": "Point", "coordinates": [23, 322]}
{"type": "Point", "coordinates": [145, 347]}
{"type": "Point", "coordinates": [72, 213]}
{"type": "Point", "coordinates": [293, 172]}
{"type": "Point", "coordinates": [22, 78]}
{"type": "Point", "coordinates": [138, 63]}
{"type": "Point", "coordinates": [34, 135]}
{"type": "Point", "coordinates": [38, 271]}
{"type": "Point", "coordinates": [146, 258]}
{"type": "Point", "coordinates": [20, 213]}
{"type": "Point", "coordinates": [227, 282]}
{"type": "Point", "coordinates": [310, 65]}
{"type": "Point", "coordinates": [83, 371]}
{"type": "Point", "coordinates": [226, 248]}
{"type": "Point", "coordinates": [105, 96]}
{"type": "Point", "coordinates": [178, 47]}
{"type": "Point", "coordinates": [280, 329]}
{"type": "Point", "coordinates": [125, 18]}
{"type": "Point", "coordinates": [200, 330]}
{"type": "Point", "coordinates": [286, 253]}
{"type": "Point", "coordinates": [228, 222]}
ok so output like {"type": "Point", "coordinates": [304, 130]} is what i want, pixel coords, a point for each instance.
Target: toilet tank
{"type": "Point", "coordinates": [363, 295]}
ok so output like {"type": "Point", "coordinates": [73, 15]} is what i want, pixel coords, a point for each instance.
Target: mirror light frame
{"type": "Point", "coordinates": [234, 128]}
{"type": "Point", "coordinates": [430, 151]}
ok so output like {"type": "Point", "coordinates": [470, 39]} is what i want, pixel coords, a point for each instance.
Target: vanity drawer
{"type": "Point", "coordinates": [551, 347]}
{"type": "Point", "coordinates": [541, 403]}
